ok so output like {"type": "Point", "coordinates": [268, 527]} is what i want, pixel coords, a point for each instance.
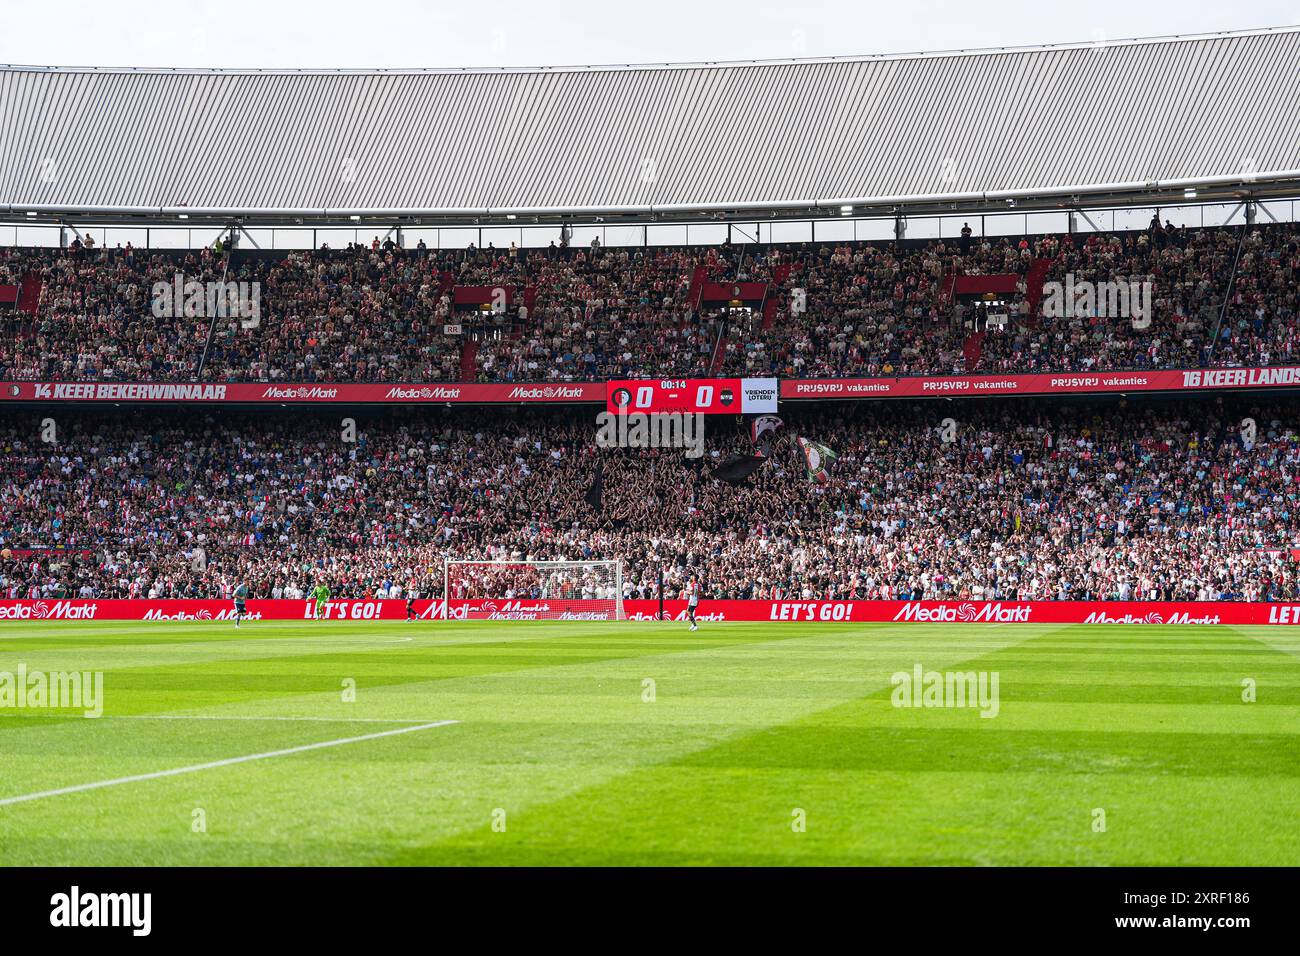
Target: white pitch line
{"type": "Point", "coordinates": [281, 641]}
{"type": "Point", "coordinates": [229, 761]}
{"type": "Point", "coordinates": [329, 720]}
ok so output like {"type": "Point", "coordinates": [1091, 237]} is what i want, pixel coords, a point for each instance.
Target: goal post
{"type": "Point", "coordinates": [533, 590]}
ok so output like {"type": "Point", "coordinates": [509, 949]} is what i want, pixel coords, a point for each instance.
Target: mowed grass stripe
{"type": "Point", "coordinates": [524, 753]}
{"type": "Point", "coordinates": [883, 785]}
{"type": "Point", "coordinates": [877, 818]}
{"type": "Point", "coordinates": [216, 764]}
{"type": "Point", "coordinates": [173, 677]}
{"type": "Point", "coordinates": [82, 646]}
{"type": "Point", "coordinates": [742, 725]}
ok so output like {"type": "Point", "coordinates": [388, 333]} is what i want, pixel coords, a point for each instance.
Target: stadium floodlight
{"type": "Point", "coordinates": [533, 590]}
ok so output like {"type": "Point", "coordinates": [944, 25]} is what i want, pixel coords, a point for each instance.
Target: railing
{"type": "Point", "coordinates": [1227, 293]}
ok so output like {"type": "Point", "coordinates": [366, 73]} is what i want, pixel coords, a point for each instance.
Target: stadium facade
{"type": "Point", "coordinates": [1122, 122]}
{"type": "Point", "coordinates": [1022, 506]}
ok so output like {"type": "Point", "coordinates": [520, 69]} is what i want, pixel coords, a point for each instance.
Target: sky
{"type": "Point", "coordinates": [405, 33]}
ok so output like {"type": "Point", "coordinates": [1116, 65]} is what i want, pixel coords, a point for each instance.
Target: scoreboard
{"type": "Point", "coordinates": [708, 396]}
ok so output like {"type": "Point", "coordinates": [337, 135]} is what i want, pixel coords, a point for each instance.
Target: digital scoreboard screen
{"type": "Point", "coordinates": [708, 396]}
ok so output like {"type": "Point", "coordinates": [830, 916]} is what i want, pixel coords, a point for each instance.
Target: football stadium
{"type": "Point", "coordinates": [819, 462]}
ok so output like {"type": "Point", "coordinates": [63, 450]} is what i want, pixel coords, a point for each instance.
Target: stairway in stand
{"type": "Point", "coordinates": [719, 356]}
{"type": "Point", "coordinates": [1034, 279]}
{"type": "Point", "coordinates": [972, 349]}
{"type": "Point", "coordinates": [29, 293]}
{"type": "Point", "coordinates": [468, 357]}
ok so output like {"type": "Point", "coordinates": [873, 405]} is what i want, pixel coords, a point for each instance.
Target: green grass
{"type": "Point", "coordinates": [748, 723]}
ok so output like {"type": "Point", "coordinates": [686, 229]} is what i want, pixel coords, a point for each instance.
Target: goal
{"type": "Point", "coordinates": [533, 590]}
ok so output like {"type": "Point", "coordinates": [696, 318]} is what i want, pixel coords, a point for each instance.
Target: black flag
{"type": "Point", "coordinates": [737, 468]}
{"type": "Point", "coordinates": [595, 492]}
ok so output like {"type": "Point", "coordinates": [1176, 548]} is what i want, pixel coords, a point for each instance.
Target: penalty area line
{"type": "Point", "coordinates": [213, 764]}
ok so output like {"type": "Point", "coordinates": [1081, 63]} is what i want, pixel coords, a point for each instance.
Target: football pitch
{"type": "Point", "coordinates": [522, 743]}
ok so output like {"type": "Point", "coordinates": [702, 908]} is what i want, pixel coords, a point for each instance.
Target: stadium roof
{"type": "Point", "coordinates": [1101, 123]}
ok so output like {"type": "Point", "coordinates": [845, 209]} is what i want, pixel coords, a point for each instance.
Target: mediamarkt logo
{"type": "Point", "coordinates": [40, 611]}
{"type": "Point", "coordinates": [679, 616]}
{"type": "Point", "coordinates": [514, 610]}
{"type": "Point", "coordinates": [299, 391]}
{"type": "Point", "coordinates": [547, 391]}
{"type": "Point", "coordinates": [157, 614]}
{"type": "Point", "coordinates": [1101, 617]}
{"type": "Point", "coordinates": [965, 612]}
{"type": "Point", "coordinates": [425, 392]}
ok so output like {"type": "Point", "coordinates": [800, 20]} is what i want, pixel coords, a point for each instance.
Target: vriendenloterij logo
{"type": "Point", "coordinates": [75, 908]}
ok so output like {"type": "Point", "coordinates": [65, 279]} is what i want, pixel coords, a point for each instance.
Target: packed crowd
{"type": "Point", "coordinates": [382, 313]}
{"type": "Point", "coordinates": [1051, 501]}
{"type": "Point", "coordinates": [873, 310]}
{"type": "Point", "coordinates": [95, 319]}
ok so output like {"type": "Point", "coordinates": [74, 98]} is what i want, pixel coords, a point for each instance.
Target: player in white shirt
{"type": "Point", "coordinates": [692, 600]}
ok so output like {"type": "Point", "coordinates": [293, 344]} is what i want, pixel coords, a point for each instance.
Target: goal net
{"type": "Point", "coordinates": [533, 590]}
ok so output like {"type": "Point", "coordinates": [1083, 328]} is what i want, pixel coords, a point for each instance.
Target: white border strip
{"type": "Point", "coordinates": [229, 761]}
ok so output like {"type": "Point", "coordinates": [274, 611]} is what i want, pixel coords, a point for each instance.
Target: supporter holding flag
{"type": "Point", "coordinates": [817, 459]}
{"type": "Point", "coordinates": [762, 430]}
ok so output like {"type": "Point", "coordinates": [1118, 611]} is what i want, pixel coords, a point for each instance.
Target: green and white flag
{"type": "Point", "coordinates": [817, 459]}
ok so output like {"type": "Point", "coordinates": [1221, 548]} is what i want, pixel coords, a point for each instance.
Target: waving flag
{"type": "Point", "coordinates": [817, 459]}
{"type": "Point", "coordinates": [595, 493]}
{"type": "Point", "coordinates": [764, 425]}
{"type": "Point", "coordinates": [737, 468]}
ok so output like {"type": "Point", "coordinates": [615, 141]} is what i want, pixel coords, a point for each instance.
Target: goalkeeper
{"type": "Point", "coordinates": [321, 594]}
